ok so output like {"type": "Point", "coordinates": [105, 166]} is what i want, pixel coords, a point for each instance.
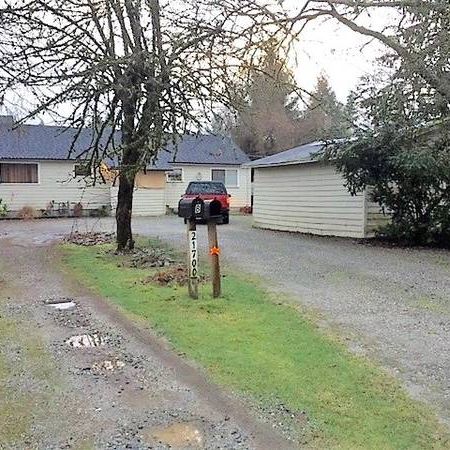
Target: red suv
{"type": "Point", "coordinates": [211, 190]}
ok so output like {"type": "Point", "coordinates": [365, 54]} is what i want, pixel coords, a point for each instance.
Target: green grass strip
{"type": "Point", "coordinates": [269, 351]}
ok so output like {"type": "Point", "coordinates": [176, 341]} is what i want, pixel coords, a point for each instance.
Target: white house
{"type": "Point", "coordinates": [295, 191]}
{"type": "Point", "coordinates": [36, 171]}
{"type": "Point", "coordinates": [195, 158]}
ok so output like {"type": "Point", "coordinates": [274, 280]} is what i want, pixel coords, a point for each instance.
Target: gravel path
{"type": "Point", "coordinates": [128, 390]}
{"type": "Point", "coordinates": [390, 304]}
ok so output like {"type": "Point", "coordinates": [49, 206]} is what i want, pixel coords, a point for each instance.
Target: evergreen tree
{"type": "Point", "coordinates": [266, 113]}
{"type": "Point", "coordinates": [325, 117]}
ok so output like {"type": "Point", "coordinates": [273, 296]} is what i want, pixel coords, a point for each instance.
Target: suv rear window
{"type": "Point", "coordinates": [206, 188]}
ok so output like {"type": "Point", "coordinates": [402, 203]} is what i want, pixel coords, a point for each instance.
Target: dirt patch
{"type": "Point", "coordinates": [173, 275]}
{"type": "Point", "coordinates": [90, 239]}
{"type": "Point", "coordinates": [178, 435]}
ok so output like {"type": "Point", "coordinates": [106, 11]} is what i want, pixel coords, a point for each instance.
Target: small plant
{"type": "Point", "coordinates": [78, 210]}
{"type": "Point", "coordinates": [28, 213]}
{"type": "Point", "coordinates": [3, 208]}
{"type": "Point", "coordinates": [103, 211]}
{"type": "Point", "coordinates": [49, 209]}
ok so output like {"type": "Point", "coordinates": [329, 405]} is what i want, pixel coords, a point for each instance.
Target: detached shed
{"type": "Point", "coordinates": [294, 191]}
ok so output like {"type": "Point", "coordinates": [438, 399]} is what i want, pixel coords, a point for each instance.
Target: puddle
{"type": "Point", "coordinates": [108, 366]}
{"type": "Point", "coordinates": [63, 306]}
{"type": "Point", "coordinates": [61, 303]}
{"type": "Point", "coordinates": [58, 300]}
{"type": "Point", "coordinates": [179, 435]}
{"type": "Point", "coordinates": [86, 341]}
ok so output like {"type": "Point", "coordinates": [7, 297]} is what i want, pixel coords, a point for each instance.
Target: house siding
{"type": "Point", "coordinates": [146, 201]}
{"type": "Point", "coordinates": [240, 196]}
{"type": "Point", "coordinates": [375, 217]}
{"type": "Point", "coordinates": [307, 198]}
{"type": "Point", "coordinates": [56, 183]}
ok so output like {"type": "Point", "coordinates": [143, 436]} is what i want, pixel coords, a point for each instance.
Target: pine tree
{"type": "Point", "coordinates": [266, 114]}
{"type": "Point", "coordinates": [325, 117]}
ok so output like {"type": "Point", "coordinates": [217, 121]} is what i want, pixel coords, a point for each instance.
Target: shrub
{"type": "Point", "coordinates": [28, 213]}
{"type": "Point", "coordinates": [103, 211]}
{"type": "Point", "coordinates": [3, 208]}
{"type": "Point", "coordinates": [78, 210]}
{"type": "Point", "coordinates": [409, 174]}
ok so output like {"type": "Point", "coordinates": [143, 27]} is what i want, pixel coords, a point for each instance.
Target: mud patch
{"type": "Point", "coordinates": [86, 341]}
{"type": "Point", "coordinates": [172, 275]}
{"type": "Point", "coordinates": [178, 435]}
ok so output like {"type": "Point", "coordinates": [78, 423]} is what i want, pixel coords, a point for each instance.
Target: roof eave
{"type": "Point", "coordinates": [18, 158]}
{"type": "Point", "coordinates": [285, 163]}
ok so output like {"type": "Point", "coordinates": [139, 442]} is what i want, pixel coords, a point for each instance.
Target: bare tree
{"type": "Point", "coordinates": [142, 69]}
{"type": "Point", "coordinates": [419, 37]}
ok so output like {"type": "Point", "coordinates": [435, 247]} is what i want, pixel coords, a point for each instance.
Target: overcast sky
{"type": "Point", "coordinates": [339, 52]}
{"type": "Point", "coordinates": [331, 48]}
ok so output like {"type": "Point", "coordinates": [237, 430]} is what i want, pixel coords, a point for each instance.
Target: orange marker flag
{"type": "Point", "coordinates": [215, 251]}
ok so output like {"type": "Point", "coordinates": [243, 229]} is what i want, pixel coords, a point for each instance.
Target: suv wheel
{"type": "Point", "coordinates": [226, 219]}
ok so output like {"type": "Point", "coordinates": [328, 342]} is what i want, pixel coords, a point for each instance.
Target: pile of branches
{"type": "Point", "coordinates": [90, 239]}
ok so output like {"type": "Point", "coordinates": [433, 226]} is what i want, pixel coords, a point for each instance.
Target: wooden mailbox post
{"type": "Point", "coordinates": [193, 258]}
{"type": "Point", "coordinates": [214, 251]}
{"type": "Point", "coordinates": [209, 210]}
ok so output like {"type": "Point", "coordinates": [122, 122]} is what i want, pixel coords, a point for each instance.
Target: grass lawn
{"type": "Point", "coordinates": [23, 362]}
{"type": "Point", "coordinates": [270, 353]}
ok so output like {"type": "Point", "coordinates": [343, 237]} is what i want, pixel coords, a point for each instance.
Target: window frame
{"type": "Point", "coordinates": [225, 169]}
{"type": "Point", "coordinates": [168, 173]}
{"type": "Point", "coordinates": [34, 163]}
{"type": "Point", "coordinates": [81, 165]}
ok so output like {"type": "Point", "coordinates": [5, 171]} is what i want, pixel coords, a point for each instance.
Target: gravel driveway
{"type": "Point", "coordinates": [390, 304]}
{"type": "Point", "coordinates": [75, 373]}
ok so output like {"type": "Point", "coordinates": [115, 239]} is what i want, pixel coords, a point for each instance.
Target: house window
{"type": "Point", "coordinates": [19, 173]}
{"type": "Point", "coordinates": [82, 170]}
{"type": "Point", "coordinates": [175, 176]}
{"type": "Point", "coordinates": [218, 175]}
{"type": "Point", "coordinates": [229, 177]}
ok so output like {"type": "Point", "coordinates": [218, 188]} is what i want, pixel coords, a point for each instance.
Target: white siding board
{"type": "Point", "coordinates": [56, 183]}
{"type": "Point", "coordinates": [307, 198]}
{"type": "Point", "coordinates": [146, 201]}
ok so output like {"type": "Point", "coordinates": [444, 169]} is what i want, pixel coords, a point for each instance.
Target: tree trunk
{"type": "Point", "coordinates": [123, 212]}
{"type": "Point", "coordinates": [130, 158]}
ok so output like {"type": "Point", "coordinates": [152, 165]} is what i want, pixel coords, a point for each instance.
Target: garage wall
{"type": "Point", "coordinates": [56, 183]}
{"type": "Point", "coordinates": [146, 201]}
{"type": "Point", "coordinates": [240, 196]}
{"type": "Point", "coordinates": [307, 198]}
{"type": "Point", "coordinates": [375, 217]}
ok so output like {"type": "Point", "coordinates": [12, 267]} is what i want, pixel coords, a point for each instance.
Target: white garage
{"type": "Point", "coordinates": [294, 191]}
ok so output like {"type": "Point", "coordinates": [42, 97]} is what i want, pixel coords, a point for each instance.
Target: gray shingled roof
{"type": "Point", "coordinates": [297, 155]}
{"type": "Point", "coordinates": [201, 149]}
{"type": "Point", "coordinates": [42, 142]}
